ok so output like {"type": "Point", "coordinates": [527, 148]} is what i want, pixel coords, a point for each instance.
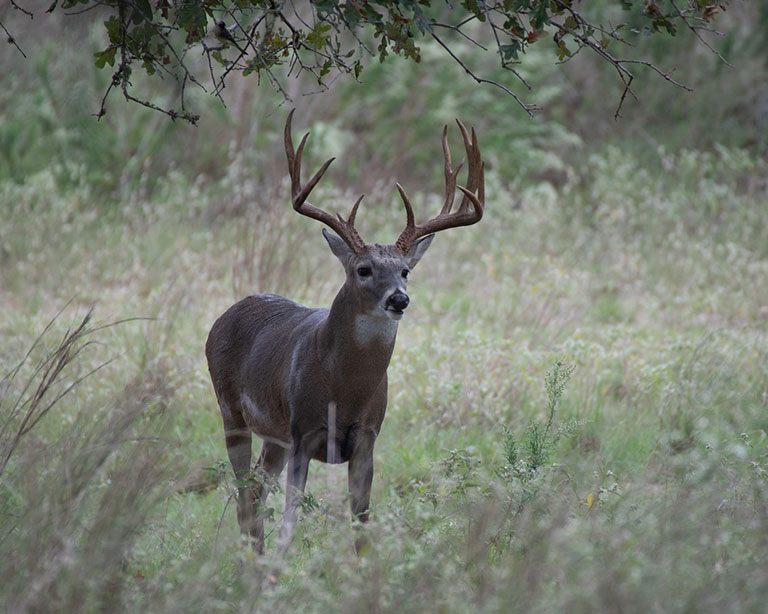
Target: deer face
{"type": "Point", "coordinates": [378, 274]}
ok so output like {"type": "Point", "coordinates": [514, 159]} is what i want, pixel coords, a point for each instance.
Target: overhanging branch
{"type": "Point", "coordinates": [287, 38]}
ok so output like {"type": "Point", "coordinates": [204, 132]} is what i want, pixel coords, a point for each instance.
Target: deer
{"type": "Point", "coordinates": [312, 383]}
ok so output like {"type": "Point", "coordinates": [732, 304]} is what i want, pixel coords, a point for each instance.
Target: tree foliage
{"type": "Point", "coordinates": [275, 40]}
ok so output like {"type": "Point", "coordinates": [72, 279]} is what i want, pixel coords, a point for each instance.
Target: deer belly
{"type": "Point", "coordinates": [337, 447]}
{"type": "Point", "coordinates": [267, 422]}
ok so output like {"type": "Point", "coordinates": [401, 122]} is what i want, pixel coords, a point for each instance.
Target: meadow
{"type": "Point", "coordinates": [578, 413]}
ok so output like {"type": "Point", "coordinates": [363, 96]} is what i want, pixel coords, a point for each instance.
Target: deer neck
{"type": "Point", "coordinates": [356, 337]}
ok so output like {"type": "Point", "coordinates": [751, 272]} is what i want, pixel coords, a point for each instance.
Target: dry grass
{"type": "Point", "coordinates": [655, 501]}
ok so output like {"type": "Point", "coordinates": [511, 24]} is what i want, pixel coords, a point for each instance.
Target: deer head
{"type": "Point", "coordinates": [379, 272]}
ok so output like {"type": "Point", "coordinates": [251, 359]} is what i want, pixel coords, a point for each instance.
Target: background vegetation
{"type": "Point", "coordinates": [205, 45]}
{"type": "Point", "coordinates": [579, 393]}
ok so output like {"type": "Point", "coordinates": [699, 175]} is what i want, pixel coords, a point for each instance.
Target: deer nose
{"type": "Point", "coordinates": [398, 301]}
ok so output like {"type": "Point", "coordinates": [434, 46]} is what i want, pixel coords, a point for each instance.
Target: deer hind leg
{"type": "Point", "coordinates": [238, 440]}
{"type": "Point", "coordinates": [268, 468]}
{"type": "Point", "coordinates": [239, 452]}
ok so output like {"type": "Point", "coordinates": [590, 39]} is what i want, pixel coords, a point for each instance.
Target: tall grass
{"type": "Point", "coordinates": [640, 486]}
{"type": "Point", "coordinates": [78, 486]}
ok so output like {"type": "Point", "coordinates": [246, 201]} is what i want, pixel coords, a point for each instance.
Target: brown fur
{"type": "Point", "coordinates": [278, 367]}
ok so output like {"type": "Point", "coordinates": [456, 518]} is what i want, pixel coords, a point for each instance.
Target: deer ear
{"type": "Point", "coordinates": [339, 248]}
{"type": "Point", "coordinates": [418, 249]}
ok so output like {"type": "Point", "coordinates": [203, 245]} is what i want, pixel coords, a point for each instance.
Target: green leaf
{"type": "Point", "coordinates": [112, 25]}
{"type": "Point", "coordinates": [327, 6]}
{"type": "Point", "coordinates": [513, 25]}
{"type": "Point", "coordinates": [216, 55]}
{"type": "Point", "coordinates": [663, 23]}
{"type": "Point", "coordinates": [192, 17]}
{"type": "Point", "coordinates": [149, 67]}
{"type": "Point", "coordinates": [251, 67]}
{"type": "Point", "coordinates": [317, 37]}
{"type": "Point", "coordinates": [326, 68]}
{"type": "Point", "coordinates": [541, 15]}
{"type": "Point", "coordinates": [105, 57]}
{"type": "Point", "coordinates": [510, 51]}
{"type": "Point", "coordinates": [142, 11]}
{"type": "Point", "coordinates": [473, 7]}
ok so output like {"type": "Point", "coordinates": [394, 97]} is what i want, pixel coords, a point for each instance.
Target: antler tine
{"type": "Point", "coordinates": [351, 219]}
{"type": "Point", "coordinates": [291, 155]}
{"type": "Point", "coordinates": [450, 175]}
{"type": "Point", "coordinates": [474, 172]}
{"type": "Point", "coordinates": [409, 223]}
{"type": "Point", "coordinates": [345, 229]}
{"type": "Point", "coordinates": [472, 204]}
{"type": "Point", "coordinates": [408, 235]}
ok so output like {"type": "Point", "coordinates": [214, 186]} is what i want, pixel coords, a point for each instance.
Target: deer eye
{"type": "Point", "coordinates": [364, 271]}
{"type": "Point", "coordinates": [405, 273]}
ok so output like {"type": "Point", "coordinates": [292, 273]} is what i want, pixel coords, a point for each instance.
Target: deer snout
{"type": "Point", "coordinates": [398, 301]}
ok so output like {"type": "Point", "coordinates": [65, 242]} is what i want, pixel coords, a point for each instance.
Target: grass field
{"type": "Point", "coordinates": [647, 492]}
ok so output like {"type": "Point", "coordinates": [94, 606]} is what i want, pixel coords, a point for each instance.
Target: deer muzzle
{"type": "Point", "coordinates": [397, 302]}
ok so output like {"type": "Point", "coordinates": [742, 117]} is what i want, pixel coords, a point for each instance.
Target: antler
{"type": "Point", "coordinates": [344, 228]}
{"type": "Point", "coordinates": [464, 215]}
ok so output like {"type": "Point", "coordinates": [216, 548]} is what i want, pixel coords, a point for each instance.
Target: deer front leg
{"type": "Point", "coordinates": [298, 467]}
{"type": "Point", "coordinates": [360, 477]}
{"type": "Point", "coordinates": [301, 452]}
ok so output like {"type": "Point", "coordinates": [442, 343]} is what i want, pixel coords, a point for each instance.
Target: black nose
{"type": "Point", "coordinates": [398, 301]}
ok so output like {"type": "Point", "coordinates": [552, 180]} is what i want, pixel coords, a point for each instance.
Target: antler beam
{"type": "Point", "coordinates": [344, 228]}
{"type": "Point", "coordinates": [472, 205]}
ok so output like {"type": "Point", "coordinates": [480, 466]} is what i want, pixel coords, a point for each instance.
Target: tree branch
{"type": "Point", "coordinates": [11, 39]}
{"type": "Point", "coordinates": [528, 108]}
{"type": "Point", "coordinates": [288, 39]}
{"type": "Point", "coordinates": [23, 10]}
{"type": "Point", "coordinates": [695, 29]}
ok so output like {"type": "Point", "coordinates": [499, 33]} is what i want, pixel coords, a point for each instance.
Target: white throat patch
{"type": "Point", "coordinates": [369, 329]}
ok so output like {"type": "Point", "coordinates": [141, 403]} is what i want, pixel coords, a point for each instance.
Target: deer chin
{"type": "Point", "coordinates": [394, 314]}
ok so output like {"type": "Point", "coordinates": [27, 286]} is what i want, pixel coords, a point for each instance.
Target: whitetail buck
{"type": "Point", "coordinates": [312, 383]}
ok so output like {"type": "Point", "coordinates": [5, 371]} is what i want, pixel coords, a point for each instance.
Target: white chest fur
{"type": "Point", "coordinates": [370, 329]}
